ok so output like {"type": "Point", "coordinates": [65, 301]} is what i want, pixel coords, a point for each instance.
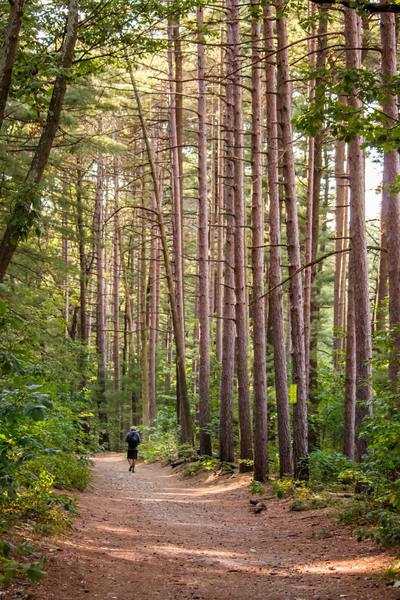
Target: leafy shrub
{"type": "Point", "coordinates": [159, 445]}
{"type": "Point", "coordinates": [256, 488]}
{"type": "Point", "coordinates": [326, 466]}
{"type": "Point", "coordinates": [11, 565]}
{"type": "Point", "coordinates": [208, 465]}
{"type": "Point", "coordinates": [283, 488]}
{"type": "Point", "coordinates": [39, 506]}
{"type": "Point", "coordinates": [374, 521]}
{"type": "Point", "coordinates": [68, 471]}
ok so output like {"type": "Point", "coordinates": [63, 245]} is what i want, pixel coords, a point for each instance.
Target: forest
{"type": "Point", "coordinates": [199, 236]}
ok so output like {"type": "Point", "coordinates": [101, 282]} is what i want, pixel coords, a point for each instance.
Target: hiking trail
{"type": "Point", "coordinates": [153, 534]}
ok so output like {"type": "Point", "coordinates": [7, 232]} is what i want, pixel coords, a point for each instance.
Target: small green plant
{"type": "Point", "coordinates": [207, 465]}
{"type": "Point", "coordinates": [256, 488]}
{"type": "Point", "coordinates": [393, 571]}
{"type": "Point", "coordinates": [312, 503]}
{"type": "Point", "coordinates": [12, 564]}
{"type": "Point", "coordinates": [326, 466]}
{"type": "Point", "coordinates": [283, 488]}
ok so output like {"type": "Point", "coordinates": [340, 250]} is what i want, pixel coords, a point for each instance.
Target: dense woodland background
{"type": "Point", "coordinates": [184, 243]}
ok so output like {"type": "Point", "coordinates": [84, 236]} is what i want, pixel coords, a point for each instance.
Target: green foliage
{"type": "Point", "coordinates": [208, 465]}
{"type": "Point", "coordinates": [159, 445]}
{"type": "Point", "coordinates": [314, 503]}
{"type": "Point", "coordinates": [373, 521]}
{"type": "Point", "coordinates": [326, 466]}
{"type": "Point", "coordinates": [69, 471]}
{"type": "Point", "coordinates": [12, 566]}
{"type": "Point", "coordinates": [45, 420]}
{"type": "Point", "coordinates": [257, 488]}
{"type": "Point", "coordinates": [283, 488]}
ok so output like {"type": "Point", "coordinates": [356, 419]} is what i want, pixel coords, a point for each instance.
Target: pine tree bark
{"type": "Point", "coordinates": [177, 198]}
{"type": "Point", "coordinates": [312, 359]}
{"type": "Point", "coordinates": [220, 214]}
{"type": "Point", "coordinates": [390, 198]}
{"type": "Point", "coordinates": [116, 279]}
{"type": "Point", "coordinates": [213, 202]}
{"type": "Point", "coordinates": [27, 206]}
{"type": "Point", "coordinates": [154, 302]}
{"type": "Point", "coordinates": [350, 370]}
{"type": "Point", "coordinates": [276, 294]}
{"type": "Point", "coordinates": [257, 254]}
{"type": "Point", "coordinates": [203, 258]}
{"type": "Point", "coordinates": [65, 259]}
{"type": "Point", "coordinates": [144, 322]}
{"type": "Point", "coordinates": [310, 159]}
{"type": "Point", "coordinates": [226, 448]}
{"type": "Point", "coordinates": [358, 243]}
{"type": "Point", "coordinates": [9, 52]}
{"type": "Point", "coordinates": [246, 446]}
{"type": "Point", "coordinates": [293, 242]}
{"type": "Point", "coordinates": [80, 225]}
{"type": "Point", "coordinates": [341, 200]}
{"type": "Point", "coordinates": [100, 313]}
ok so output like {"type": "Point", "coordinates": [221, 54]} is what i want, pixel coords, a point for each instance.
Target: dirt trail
{"type": "Point", "coordinates": [152, 535]}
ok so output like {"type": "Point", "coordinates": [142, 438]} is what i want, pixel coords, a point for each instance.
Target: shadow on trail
{"type": "Point", "coordinates": [152, 535]}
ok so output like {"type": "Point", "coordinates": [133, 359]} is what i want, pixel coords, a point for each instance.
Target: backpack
{"type": "Point", "coordinates": [133, 439]}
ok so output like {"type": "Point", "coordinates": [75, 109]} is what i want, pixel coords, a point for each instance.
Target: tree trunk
{"type": "Point", "coordinates": [213, 203]}
{"type": "Point", "coordinates": [144, 310]}
{"type": "Point", "coordinates": [100, 315]}
{"type": "Point", "coordinates": [203, 264]}
{"type": "Point", "coordinates": [80, 225]}
{"type": "Point", "coordinates": [390, 198]}
{"type": "Point", "coordinates": [186, 419]}
{"type": "Point", "coordinates": [350, 374]}
{"type": "Point", "coordinates": [27, 205]}
{"type": "Point", "coordinates": [257, 254]}
{"type": "Point", "coordinates": [65, 259]}
{"type": "Point", "coordinates": [177, 201]}
{"type": "Point", "coordinates": [228, 316]}
{"type": "Point", "coordinates": [220, 217]}
{"type": "Point", "coordinates": [293, 242]}
{"type": "Point", "coordinates": [312, 351]}
{"type": "Point", "coordinates": [246, 450]}
{"type": "Point", "coordinates": [308, 242]}
{"type": "Point", "coordinates": [154, 303]}
{"type": "Point", "coordinates": [9, 51]}
{"type": "Point", "coordinates": [340, 257]}
{"type": "Point", "coordinates": [358, 242]}
{"type": "Point", "coordinates": [116, 275]}
{"type": "Point", "coordinates": [276, 295]}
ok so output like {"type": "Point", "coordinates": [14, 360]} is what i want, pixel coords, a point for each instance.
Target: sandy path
{"type": "Point", "coordinates": [153, 535]}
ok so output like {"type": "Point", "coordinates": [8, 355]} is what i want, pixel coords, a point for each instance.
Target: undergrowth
{"type": "Point", "coordinates": [208, 465]}
{"type": "Point", "coordinates": [368, 498]}
{"type": "Point", "coordinates": [19, 561]}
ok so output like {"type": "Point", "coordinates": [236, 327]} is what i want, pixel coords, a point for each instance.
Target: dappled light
{"type": "Point", "coordinates": [199, 299]}
{"type": "Point", "coordinates": [171, 534]}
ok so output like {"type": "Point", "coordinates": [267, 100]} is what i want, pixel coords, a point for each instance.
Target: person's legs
{"type": "Point", "coordinates": [131, 463]}
{"type": "Point", "coordinates": [134, 454]}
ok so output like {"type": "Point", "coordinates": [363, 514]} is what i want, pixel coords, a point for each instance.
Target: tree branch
{"type": "Point", "coordinates": [370, 7]}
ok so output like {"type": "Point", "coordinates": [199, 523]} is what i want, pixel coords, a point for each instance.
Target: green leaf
{"type": "Point", "coordinates": [36, 412]}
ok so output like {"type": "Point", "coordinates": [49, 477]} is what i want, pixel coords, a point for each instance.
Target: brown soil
{"type": "Point", "coordinates": [153, 535]}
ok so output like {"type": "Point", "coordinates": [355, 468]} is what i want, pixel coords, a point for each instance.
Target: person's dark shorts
{"type": "Point", "coordinates": [132, 453]}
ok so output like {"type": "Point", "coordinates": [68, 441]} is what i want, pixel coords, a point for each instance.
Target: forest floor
{"type": "Point", "coordinates": [154, 534]}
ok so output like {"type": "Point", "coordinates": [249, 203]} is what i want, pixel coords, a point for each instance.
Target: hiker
{"type": "Point", "coordinates": [133, 441]}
